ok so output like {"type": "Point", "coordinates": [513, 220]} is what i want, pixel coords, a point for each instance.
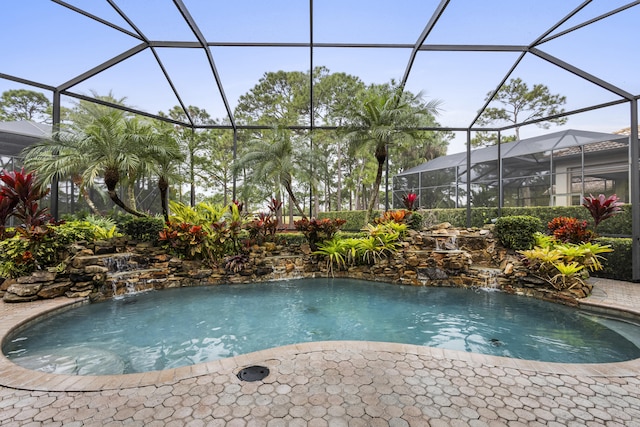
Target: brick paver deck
{"type": "Point", "coordinates": [335, 384]}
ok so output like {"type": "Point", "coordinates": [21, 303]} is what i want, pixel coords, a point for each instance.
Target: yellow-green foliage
{"type": "Point", "coordinates": [563, 264]}
{"type": "Point", "coordinates": [202, 213]}
{"type": "Point", "coordinates": [380, 241]}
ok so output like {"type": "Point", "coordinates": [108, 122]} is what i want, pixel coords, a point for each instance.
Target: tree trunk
{"type": "Point", "coordinates": [339, 181]}
{"type": "Point", "coordinates": [225, 189]}
{"type": "Point", "coordinates": [376, 187]}
{"type": "Point", "coordinates": [192, 180]}
{"type": "Point", "coordinates": [131, 195]}
{"type": "Point", "coordinates": [111, 178]}
{"type": "Point", "coordinates": [290, 209]}
{"type": "Point", "coordinates": [114, 197]}
{"type": "Point", "coordinates": [327, 195]}
{"type": "Point", "coordinates": [78, 182]}
{"type": "Point", "coordinates": [359, 196]}
{"type": "Point", "coordinates": [295, 201]}
{"type": "Point", "coordinates": [163, 186]}
{"type": "Point", "coordinates": [87, 198]}
{"type": "Point", "coordinates": [278, 211]}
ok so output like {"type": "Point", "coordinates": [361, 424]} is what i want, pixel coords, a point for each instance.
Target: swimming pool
{"type": "Point", "coordinates": [179, 327]}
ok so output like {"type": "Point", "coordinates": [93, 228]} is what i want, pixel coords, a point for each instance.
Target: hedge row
{"type": "Point", "coordinates": [618, 263]}
{"type": "Point", "coordinates": [618, 225]}
{"type": "Point", "coordinates": [355, 219]}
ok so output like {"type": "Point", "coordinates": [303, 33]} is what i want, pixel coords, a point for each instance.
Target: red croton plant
{"type": "Point", "coordinates": [19, 196]}
{"type": "Point", "coordinates": [602, 207]}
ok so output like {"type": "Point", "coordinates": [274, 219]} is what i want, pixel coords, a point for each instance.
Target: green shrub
{"type": "Point", "coordinates": [618, 225]}
{"type": "Point", "coordinates": [16, 257]}
{"type": "Point", "coordinates": [617, 264]}
{"type": "Point", "coordinates": [144, 229]}
{"type": "Point", "coordinates": [415, 221]}
{"type": "Point", "coordinates": [517, 232]}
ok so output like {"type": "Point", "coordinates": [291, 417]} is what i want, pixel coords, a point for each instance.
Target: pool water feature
{"type": "Point", "coordinates": [178, 327]}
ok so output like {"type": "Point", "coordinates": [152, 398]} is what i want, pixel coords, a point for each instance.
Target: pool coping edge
{"type": "Point", "coordinates": [17, 377]}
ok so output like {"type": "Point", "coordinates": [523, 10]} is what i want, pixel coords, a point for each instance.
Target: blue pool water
{"type": "Point", "coordinates": [179, 327]}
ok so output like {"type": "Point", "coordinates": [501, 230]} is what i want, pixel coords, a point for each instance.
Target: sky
{"type": "Point", "coordinates": [48, 43]}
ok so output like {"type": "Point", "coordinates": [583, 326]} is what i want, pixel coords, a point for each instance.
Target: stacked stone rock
{"type": "Point", "coordinates": [104, 269]}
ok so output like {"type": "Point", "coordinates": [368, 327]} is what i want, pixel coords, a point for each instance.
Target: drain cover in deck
{"type": "Point", "coordinates": [253, 373]}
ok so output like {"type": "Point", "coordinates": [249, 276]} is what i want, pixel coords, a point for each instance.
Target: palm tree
{"type": "Point", "coordinates": [109, 146]}
{"type": "Point", "coordinates": [60, 157]}
{"type": "Point", "coordinates": [166, 157]}
{"type": "Point", "coordinates": [388, 114]}
{"type": "Point", "coordinates": [275, 159]}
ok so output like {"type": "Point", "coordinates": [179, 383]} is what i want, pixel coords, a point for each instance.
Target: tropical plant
{"type": "Point", "coordinates": [388, 115]}
{"type": "Point", "coordinates": [16, 257]}
{"type": "Point", "coordinates": [397, 216]}
{"type": "Point", "coordinates": [543, 240]}
{"type": "Point", "coordinates": [273, 159]}
{"type": "Point", "coordinates": [572, 230]}
{"type": "Point", "coordinates": [384, 228]}
{"type": "Point", "coordinates": [187, 241]}
{"type": "Point", "coordinates": [373, 248]}
{"type": "Point", "coordinates": [20, 191]}
{"type": "Point", "coordinates": [409, 201]}
{"type": "Point", "coordinates": [263, 227]}
{"type": "Point", "coordinates": [542, 258]}
{"type": "Point", "coordinates": [335, 252]}
{"type": "Point", "coordinates": [350, 245]}
{"type": "Point", "coordinates": [7, 206]}
{"type": "Point", "coordinates": [592, 251]}
{"type": "Point", "coordinates": [105, 143]}
{"type": "Point", "coordinates": [567, 276]}
{"type": "Point", "coordinates": [165, 156]}
{"type": "Point", "coordinates": [562, 264]}
{"type": "Point", "coordinates": [68, 232]}
{"type": "Point", "coordinates": [202, 213]}
{"type": "Point", "coordinates": [602, 207]}
{"type": "Point", "coordinates": [318, 230]}
{"type": "Point", "coordinates": [236, 263]}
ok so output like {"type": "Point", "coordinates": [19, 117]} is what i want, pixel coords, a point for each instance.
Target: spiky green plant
{"type": "Point", "coordinates": [334, 250]}
{"type": "Point", "coordinates": [202, 213]}
{"type": "Point", "coordinates": [542, 257]}
{"type": "Point", "coordinates": [567, 275]}
{"type": "Point", "coordinates": [571, 252]}
{"type": "Point", "coordinates": [593, 259]}
{"type": "Point", "coordinates": [543, 240]}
